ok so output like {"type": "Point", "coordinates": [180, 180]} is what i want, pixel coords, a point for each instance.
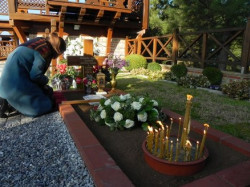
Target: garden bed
{"type": "Point", "coordinates": [125, 147]}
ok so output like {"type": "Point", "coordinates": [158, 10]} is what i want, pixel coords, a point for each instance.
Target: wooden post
{"type": "Point", "coordinates": [154, 48]}
{"type": "Point", "coordinates": [246, 49]}
{"type": "Point", "coordinates": [126, 46]}
{"type": "Point", "coordinates": [145, 14]}
{"type": "Point", "coordinates": [204, 50]}
{"type": "Point", "coordinates": [54, 61]}
{"type": "Point", "coordinates": [175, 47]}
{"type": "Point", "coordinates": [139, 39]}
{"type": "Point", "coordinates": [109, 38]}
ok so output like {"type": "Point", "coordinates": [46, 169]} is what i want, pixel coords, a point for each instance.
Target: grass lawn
{"type": "Point", "coordinates": [219, 111]}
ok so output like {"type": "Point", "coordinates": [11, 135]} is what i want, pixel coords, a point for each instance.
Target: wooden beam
{"type": "Point", "coordinates": [109, 38]}
{"type": "Point", "coordinates": [5, 25]}
{"type": "Point", "coordinates": [18, 30]}
{"type": "Point", "coordinates": [246, 49]}
{"type": "Point", "coordinates": [12, 7]}
{"type": "Point", "coordinates": [99, 16]}
{"type": "Point", "coordinates": [81, 14]}
{"type": "Point", "coordinates": [32, 17]}
{"type": "Point", "coordinates": [83, 5]}
{"type": "Point", "coordinates": [116, 17]}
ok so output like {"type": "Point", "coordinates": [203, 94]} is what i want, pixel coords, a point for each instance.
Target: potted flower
{"type": "Point", "coordinates": [90, 84]}
{"type": "Point", "coordinates": [126, 111]}
{"type": "Point", "coordinates": [64, 77]}
{"type": "Point", "coordinates": [114, 64]}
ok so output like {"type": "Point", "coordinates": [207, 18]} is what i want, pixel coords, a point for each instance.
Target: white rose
{"type": "Point", "coordinates": [123, 97]}
{"type": "Point", "coordinates": [100, 108]}
{"type": "Point", "coordinates": [97, 119]}
{"type": "Point", "coordinates": [107, 102]}
{"type": "Point", "coordinates": [118, 116]}
{"type": "Point", "coordinates": [128, 96]}
{"type": "Point", "coordinates": [141, 99]}
{"type": "Point", "coordinates": [129, 123]}
{"type": "Point", "coordinates": [136, 105]}
{"type": "Point", "coordinates": [103, 114]}
{"type": "Point", "coordinates": [155, 110]}
{"type": "Point", "coordinates": [116, 106]}
{"type": "Point", "coordinates": [155, 102]}
{"type": "Point", "coordinates": [142, 116]}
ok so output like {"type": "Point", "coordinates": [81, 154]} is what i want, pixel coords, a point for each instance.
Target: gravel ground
{"type": "Point", "coordinates": [39, 152]}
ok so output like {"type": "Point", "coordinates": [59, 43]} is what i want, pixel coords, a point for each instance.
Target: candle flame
{"type": "Point", "coordinates": [206, 126]}
{"type": "Point", "coordinates": [150, 128]}
{"type": "Point", "coordinates": [188, 143]}
{"type": "Point", "coordinates": [197, 142]}
{"type": "Point", "coordinates": [160, 123]}
{"type": "Point", "coordinates": [177, 140]}
{"type": "Point", "coordinates": [189, 97]}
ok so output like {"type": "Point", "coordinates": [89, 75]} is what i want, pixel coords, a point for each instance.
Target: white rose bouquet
{"type": "Point", "coordinates": [126, 111]}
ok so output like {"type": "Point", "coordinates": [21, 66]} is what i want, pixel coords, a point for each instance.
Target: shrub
{"type": "Point", "coordinates": [179, 70]}
{"type": "Point", "coordinates": [237, 89]}
{"type": "Point", "coordinates": [151, 75]}
{"type": "Point", "coordinates": [154, 66]}
{"type": "Point", "coordinates": [136, 61]}
{"type": "Point", "coordinates": [213, 74]}
{"type": "Point", "coordinates": [193, 81]}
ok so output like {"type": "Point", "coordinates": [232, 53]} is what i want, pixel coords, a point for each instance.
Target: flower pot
{"type": "Point", "coordinates": [174, 168]}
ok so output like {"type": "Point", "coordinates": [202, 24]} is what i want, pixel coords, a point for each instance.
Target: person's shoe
{"type": "Point", "coordinates": [3, 107]}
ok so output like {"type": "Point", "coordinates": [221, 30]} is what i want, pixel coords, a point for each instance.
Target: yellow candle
{"type": "Point", "coordinates": [179, 129]}
{"type": "Point", "coordinates": [156, 142]}
{"type": "Point", "coordinates": [150, 139]}
{"type": "Point", "coordinates": [188, 150]}
{"type": "Point", "coordinates": [161, 153]}
{"type": "Point", "coordinates": [170, 128]}
{"type": "Point", "coordinates": [171, 150]}
{"type": "Point", "coordinates": [187, 115]}
{"type": "Point", "coordinates": [197, 150]}
{"type": "Point", "coordinates": [166, 147]}
{"type": "Point", "coordinates": [166, 130]}
{"type": "Point", "coordinates": [184, 137]}
{"type": "Point", "coordinates": [177, 150]}
{"type": "Point", "coordinates": [202, 143]}
{"type": "Point", "coordinates": [162, 132]}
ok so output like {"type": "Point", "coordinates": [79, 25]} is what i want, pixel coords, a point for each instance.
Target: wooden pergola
{"type": "Point", "coordinates": [110, 18]}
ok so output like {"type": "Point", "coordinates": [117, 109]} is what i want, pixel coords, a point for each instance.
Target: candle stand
{"type": "Point", "coordinates": [175, 155]}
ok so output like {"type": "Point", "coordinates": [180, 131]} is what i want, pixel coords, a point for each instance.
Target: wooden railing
{"type": "Point", "coordinates": [227, 48]}
{"type": "Point", "coordinates": [6, 47]}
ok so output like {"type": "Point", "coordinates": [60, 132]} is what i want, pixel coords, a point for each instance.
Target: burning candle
{"type": "Point", "coordinates": [179, 129]}
{"type": "Point", "coordinates": [188, 150]}
{"type": "Point", "coordinates": [150, 139]}
{"type": "Point", "coordinates": [171, 150]}
{"type": "Point", "coordinates": [187, 115]}
{"type": "Point", "coordinates": [197, 150]}
{"type": "Point", "coordinates": [177, 150]}
{"type": "Point", "coordinates": [156, 142]}
{"type": "Point", "coordinates": [166, 147]}
{"type": "Point", "coordinates": [202, 143]}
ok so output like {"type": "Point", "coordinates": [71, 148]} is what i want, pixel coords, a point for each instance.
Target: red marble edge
{"type": "Point", "coordinates": [218, 136]}
{"type": "Point", "coordinates": [95, 172]}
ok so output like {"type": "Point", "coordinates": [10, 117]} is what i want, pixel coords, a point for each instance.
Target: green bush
{"type": "Point", "coordinates": [193, 81]}
{"type": "Point", "coordinates": [154, 66]}
{"type": "Point", "coordinates": [151, 75]}
{"type": "Point", "coordinates": [237, 89]}
{"type": "Point", "coordinates": [213, 74]}
{"type": "Point", "coordinates": [179, 70]}
{"type": "Point", "coordinates": [136, 61]}
{"type": "Point", "coordinates": [170, 76]}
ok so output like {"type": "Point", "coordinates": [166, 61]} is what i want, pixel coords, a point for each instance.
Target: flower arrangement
{"type": "Point", "coordinates": [74, 47]}
{"type": "Point", "coordinates": [114, 63]}
{"type": "Point", "coordinates": [126, 111]}
{"type": "Point", "coordinates": [65, 74]}
{"type": "Point", "coordinates": [90, 81]}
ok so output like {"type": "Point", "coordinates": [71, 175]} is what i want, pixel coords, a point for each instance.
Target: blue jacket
{"type": "Point", "coordinates": [22, 81]}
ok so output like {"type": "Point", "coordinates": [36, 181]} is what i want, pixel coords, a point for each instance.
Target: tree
{"type": "Point", "coordinates": [193, 15]}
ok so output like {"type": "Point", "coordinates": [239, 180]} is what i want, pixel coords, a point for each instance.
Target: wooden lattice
{"type": "Point", "coordinates": [4, 9]}
{"type": "Point", "coordinates": [32, 3]}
